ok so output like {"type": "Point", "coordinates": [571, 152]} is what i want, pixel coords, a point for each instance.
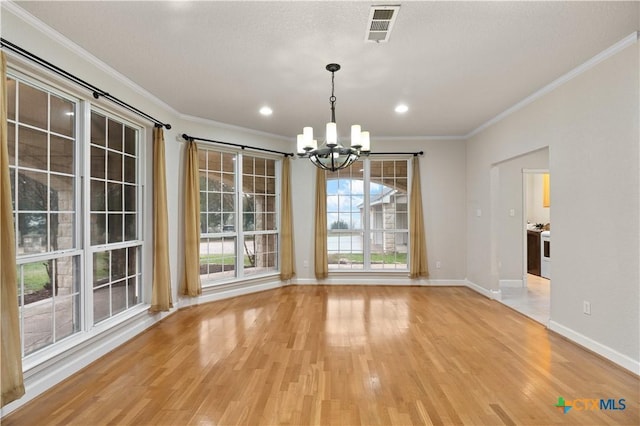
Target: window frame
{"type": "Point", "coordinates": [82, 250]}
{"type": "Point", "coordinates": [106, 246]}
{"type": "Point", "coordinates": [366, 230]}
{"type": "Point", "coordinates": [239, 234]}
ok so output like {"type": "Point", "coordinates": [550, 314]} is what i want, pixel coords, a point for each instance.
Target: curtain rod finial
{"type": "Point", "coordinates": [167, 126]}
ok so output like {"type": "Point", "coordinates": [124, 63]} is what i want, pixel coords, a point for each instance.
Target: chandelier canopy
{"type": "Point", "coordinates": [332, 155]}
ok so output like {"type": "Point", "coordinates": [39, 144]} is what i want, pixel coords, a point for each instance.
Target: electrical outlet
{"type": "Point", "coordinates": [438, 264]}
{"type": "Point", "coordinates": [586, 307]}
{"type": "Point", "coordinates": [305, 263]}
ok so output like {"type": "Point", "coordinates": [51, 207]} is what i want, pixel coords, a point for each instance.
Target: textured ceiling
{"type": "Point", "coordinates": [456, 64]}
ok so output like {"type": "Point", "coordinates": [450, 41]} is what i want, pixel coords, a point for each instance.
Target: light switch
{"type": "Point", "coordinates": [512, 212]}
{"type": "Point", "coordinates": [478, 212]}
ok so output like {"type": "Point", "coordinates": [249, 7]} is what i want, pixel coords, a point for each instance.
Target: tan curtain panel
{"type": "Point", "coordinates": [191, 285]}
{"type": "Point", "coordinates": [10, 353]}
{"type": "Point", "coordinates": [287, 267]}
{"type": "Point", "coordinates": [418, 255]}
{"type": "Point", "coordinates": [161, 299]}
{"type": "Point", "coordinates": [321, 260]}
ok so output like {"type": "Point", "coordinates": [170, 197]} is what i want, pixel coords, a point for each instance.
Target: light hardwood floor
{"type": "Point", "coordinates": [341, 355]}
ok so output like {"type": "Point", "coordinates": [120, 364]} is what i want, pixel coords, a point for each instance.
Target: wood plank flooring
{"type": "Point", "coordinates": [341, 355]}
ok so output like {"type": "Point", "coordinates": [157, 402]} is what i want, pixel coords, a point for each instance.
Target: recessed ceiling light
{"type": "Point", "coordinates": [401, 109]}
{"type": "Point", "coordinates": [265, 110]}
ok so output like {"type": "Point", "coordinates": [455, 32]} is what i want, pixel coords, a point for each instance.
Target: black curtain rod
{"type": "Point", "coordinates": [97, 92]}
{"type": "Point", "coordinates": [255, 148]}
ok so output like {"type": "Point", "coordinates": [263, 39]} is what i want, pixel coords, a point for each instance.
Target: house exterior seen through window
{"type": "Point", "coordinates": [77, 261]}
{"type": "Point", "coordinates": [238, 215]}
{"type": "Point", "coordinates": [367, 216]}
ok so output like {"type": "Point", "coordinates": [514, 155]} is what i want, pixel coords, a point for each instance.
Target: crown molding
{"type": "Point", "coordinates": [54, 35]}
{"type": "Point", "coordinates": [209, 122]}
{"type": "Point", "coordinates": [610, 51]}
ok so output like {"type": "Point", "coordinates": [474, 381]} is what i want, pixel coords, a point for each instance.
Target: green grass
{"type": "Point", "coordinates": [35, 276]}
{"type": "Point", "coordinates": [387, 258]}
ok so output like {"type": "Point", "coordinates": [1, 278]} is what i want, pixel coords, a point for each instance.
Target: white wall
{"type": "Point", "coordinates": [590, 124]}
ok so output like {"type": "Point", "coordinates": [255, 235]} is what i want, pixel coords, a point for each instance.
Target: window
{"type": "Point", "coordinates": [115, 242]}
{"type": "Point", "coordinates": [56, 268]}
{"type": "Point", "coordinates": [238, 228]}
{"type": "Point", "coordinates": [41, 133]}
{"type": "Point", "coordinates": [367, 216]}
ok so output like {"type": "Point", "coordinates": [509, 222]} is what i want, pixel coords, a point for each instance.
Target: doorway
{"type": "Point", "coordinates": [533, 298]}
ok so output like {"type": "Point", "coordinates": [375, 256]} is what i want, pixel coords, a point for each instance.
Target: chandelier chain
{"type": "Point", "coordinates": [332, 99]}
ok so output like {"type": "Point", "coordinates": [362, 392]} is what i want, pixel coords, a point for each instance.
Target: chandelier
{"type": "Point", "coordinates": [332, 155]}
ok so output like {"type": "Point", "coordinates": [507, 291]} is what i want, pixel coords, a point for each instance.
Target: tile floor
{"type": "Point", "coordinates": [532, 301]}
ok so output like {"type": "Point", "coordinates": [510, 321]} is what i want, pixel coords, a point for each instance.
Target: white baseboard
{"type": "Point", "coordinates": [491, 294]}
{"type": "Point", "coordinates": [212, 294]}
{"type": "Point", "coordinates": [376, 280]}
{"type": "Point", "coordinates": [622, 360]}
{"type": "Point", "coordinates": [511, 283]}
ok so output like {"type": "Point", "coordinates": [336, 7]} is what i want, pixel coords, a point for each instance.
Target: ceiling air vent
{"type": "Point", "coordinates": [380, 23]}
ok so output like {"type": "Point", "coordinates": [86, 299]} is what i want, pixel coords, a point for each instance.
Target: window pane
{"type": "Point", "coordinates": [345, 250]}
{"type": "Point", "coordinates": [32, 191]}
{"type": "Point", "coordinates": [101, 303]}
{"type": "Point", "coordinates": [98, 229]}
{"type": "Point", "coordinates": [101, 262]}
{"type": "Point", "coordinates": [130, 227]}
{"type": "Point", "coordinates": [217, 257]}
{"type": "Point", "coordinates": [115, 228]}
{"type": "Point", "coordinates": [129, 169]}
{"type": "Point", "coordinates": [61, 194]}
{"type": "Point", "coordinates": [98, 162]}
{"type": "Point", "coordinates": [62, 231]}
{"type": "Point", "coordinates": [260, 254]}
{"type": "Point", "coordinates": [114, 197]}
{"type": "Point", "coordinates": [116, 281]}
{"type": "Point", "coordinates": [54, 285]}
{"type": "Point", "coordinates": [62, 116]}
{"type": "Point", "coordinates": [32, 233]}
{"type": "Point", "coordinates": [133, 290]}
{"type": "Point", "coordinates": [38, 326]}
{"type": "Point", "coordinates": [98, 129]}
{"type": "Point", "coordinates": [389, 250]}
{"type": "Point", "coordinates": [67, 313]}
{"type": "Point", "coordinates": [115, 135]}
{"type": "Point", "coordinates": [132, 263]}
{"type": "Point", "coordinates": [130, 203]}
{"type": "Point", "coordinates": [32, 148]}
{"type": "Point", "coordinates": [114, 166]}
{"type": "Point", "coordinates": [118, 264]}
{"type": "Point", "coordinates": [61, 157]}
{"type": "Point", "coordinates": [98, 195]}
{"type": "Point", "coordinates": [119, 296]}
{"type": "Point", "coordinates": [11, 143]}
{"type": "Point", "coordinates": [11, 99]}
{"type": "Point", "coordinates": [130, 141]}
{"type": "Point", "coordinates": [33, 106]}
{"type": "Point", "coordinates": [36, 281]}
{"type": "Point", "coordinates": [228, 163]}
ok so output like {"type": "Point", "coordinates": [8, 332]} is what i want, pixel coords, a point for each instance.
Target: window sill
{"type": "Point", "coordinates": [76, 342]}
